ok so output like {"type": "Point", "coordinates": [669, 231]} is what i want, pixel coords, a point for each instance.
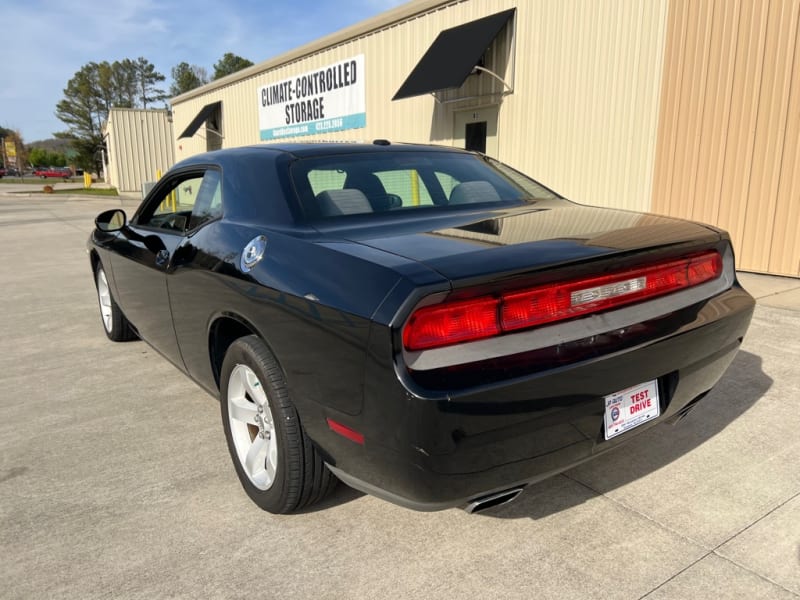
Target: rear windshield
{"type": "Point", "coordinates": [353, 184]}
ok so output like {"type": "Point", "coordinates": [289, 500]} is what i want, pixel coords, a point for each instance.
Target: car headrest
{"type": "Point", "coordinates": [342, 202]}
{"type": "Point", "coordinates": [371, 186]}
{"type": "Point", "coordinates": [474, 191]}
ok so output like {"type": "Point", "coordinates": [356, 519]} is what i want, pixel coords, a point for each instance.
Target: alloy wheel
{"type": "Point", "coordinates": [104, 297]}
{"type": "Point", "coordinates": [252, 427]}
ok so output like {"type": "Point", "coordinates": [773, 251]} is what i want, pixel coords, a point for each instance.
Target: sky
{"type": "Point", "coordinates": [47, 41]}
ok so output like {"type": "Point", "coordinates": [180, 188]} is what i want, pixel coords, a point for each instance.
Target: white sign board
{"type": "Point", "coordinates": [332, 98]}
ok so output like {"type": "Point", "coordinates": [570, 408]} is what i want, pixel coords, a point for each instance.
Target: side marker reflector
{"type": "Point", "coordinates": [344, 431]}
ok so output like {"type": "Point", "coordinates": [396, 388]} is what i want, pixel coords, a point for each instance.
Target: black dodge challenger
{"type": "Point", "coordinates": [425, 324]}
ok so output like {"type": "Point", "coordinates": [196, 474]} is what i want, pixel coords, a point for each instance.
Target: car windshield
{"type": "Point", "coordinates": [355, 184]}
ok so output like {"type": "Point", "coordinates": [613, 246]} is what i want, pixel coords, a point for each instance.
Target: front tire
{"type": "Point", "coordinates": [277, 464]}
{"type": "Point", "coordinates": [116, 326]}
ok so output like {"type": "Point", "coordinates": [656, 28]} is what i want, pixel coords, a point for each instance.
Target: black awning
{"type": "Point", "coordinates": [202, 117]}
{"type": "Point", "coordinates": [452, 56]}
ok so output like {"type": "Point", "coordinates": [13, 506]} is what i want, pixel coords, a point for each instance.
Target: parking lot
{"type": "Point", "coordinates": [115, 480]}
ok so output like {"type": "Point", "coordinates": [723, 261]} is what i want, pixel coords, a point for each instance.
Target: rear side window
{"type": "Point", "coordinates": [208, 202]}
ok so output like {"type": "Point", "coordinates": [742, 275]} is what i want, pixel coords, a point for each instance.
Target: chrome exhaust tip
{"type": "Point", "coordinates": [493, 500]}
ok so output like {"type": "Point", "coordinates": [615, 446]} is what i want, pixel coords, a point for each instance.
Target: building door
{"type": "Point", "coordinates": [476, 129]}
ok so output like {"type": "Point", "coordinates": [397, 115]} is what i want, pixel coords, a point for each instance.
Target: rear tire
{"type": "Point", "coordinates": [277, 464]}
{"type": "Point", "coordinates": [116, 326]}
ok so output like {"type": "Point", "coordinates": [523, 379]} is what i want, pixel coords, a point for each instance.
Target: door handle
{"type": "Point", "coordinates": [162, 258]}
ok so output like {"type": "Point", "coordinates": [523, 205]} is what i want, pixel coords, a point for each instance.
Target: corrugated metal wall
{"type": "Point", "coordinates": [729, 132]}
{"type": "Point", "coordinates": [582, 118]}
{"type": "Point", "coordinates": [584, 113]}
{"type": "Point", "coordinates": [139, 144]}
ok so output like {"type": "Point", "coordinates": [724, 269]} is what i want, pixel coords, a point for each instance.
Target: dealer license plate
{"type": "Point", "coordinates": [631, 407]}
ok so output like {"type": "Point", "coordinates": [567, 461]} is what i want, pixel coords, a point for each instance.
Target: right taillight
{"type": "Point", "coordinates": [488, 316]}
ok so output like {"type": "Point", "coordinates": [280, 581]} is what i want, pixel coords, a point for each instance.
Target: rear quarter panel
{"type": "Point", "coordinates": [311, 302]}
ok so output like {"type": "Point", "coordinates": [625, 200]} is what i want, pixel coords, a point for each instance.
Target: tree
{"type": "Point", "coordinates": [116, 84]}
{"type": "Point", "coordinates": [230, 63]}
{"type": "Point", "coordinates": [147, 78]}
{"type": "Point", "coordinates": [187, 77]}
{"type": "Point", "coordinates": [91, 94]}
{"type": "Point", "coordinates": [124, 83]}
{"type": "Point", "coordinates": [41, 157]}
{"type": "Point", "coordinates": [84, 110]}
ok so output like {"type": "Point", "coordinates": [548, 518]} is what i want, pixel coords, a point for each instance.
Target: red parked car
{"type": "Point", "coordinates": [45, 172]}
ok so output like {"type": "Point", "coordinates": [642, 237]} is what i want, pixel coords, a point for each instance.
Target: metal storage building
{"type": "Point", "coordinates": [138, 145]}
{"type": "Point", "coordinates": [687, 108]}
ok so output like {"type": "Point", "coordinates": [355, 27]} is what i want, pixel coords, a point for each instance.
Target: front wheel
{"type": "Point", "coordinates": [277, 464]}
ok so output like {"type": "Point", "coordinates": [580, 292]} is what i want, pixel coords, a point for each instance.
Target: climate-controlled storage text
{"type": "Point", "coordinates": [331, 98]}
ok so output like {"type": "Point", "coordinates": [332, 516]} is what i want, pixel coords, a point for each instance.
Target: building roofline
{"type": "Point", "coordinates": [381, 21]}
{"type": "Point", "coordinates": [133, 109]}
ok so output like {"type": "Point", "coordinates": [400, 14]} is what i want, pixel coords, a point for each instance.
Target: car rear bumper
{"type": "Point", "coordinates": [439, 450]}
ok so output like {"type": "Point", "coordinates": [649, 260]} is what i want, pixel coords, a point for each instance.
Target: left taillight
{"type": "Point", "coordinates": [452, 323]}
{"type": "Point", "coordinates": [488, 316]}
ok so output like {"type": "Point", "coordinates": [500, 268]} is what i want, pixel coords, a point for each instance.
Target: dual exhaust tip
{"type": "Point", "coordinates": [492, 500]}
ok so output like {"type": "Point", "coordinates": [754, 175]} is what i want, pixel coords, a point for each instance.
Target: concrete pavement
{"type": "Point", "coordinates": [768, 290]}
{"type": "Point", "coordinates": [115, 479]}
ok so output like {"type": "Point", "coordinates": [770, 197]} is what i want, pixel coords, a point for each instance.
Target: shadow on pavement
{"type": "Point", "coordinates": [341, 495]}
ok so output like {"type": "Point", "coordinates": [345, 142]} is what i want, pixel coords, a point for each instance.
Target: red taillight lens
{"type": "Point", "coordinates": [571, 299]}
{"type": "Point", "coordinates": [470, 320]}
{"type": "Point", "coordinates": [450, 323]}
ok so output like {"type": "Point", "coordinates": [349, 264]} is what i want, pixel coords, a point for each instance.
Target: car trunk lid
{"type": "Point", "coordinates": [495, 245]}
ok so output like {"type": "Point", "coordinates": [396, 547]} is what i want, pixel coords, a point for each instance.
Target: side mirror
{"type": "Point", "coordinates": [111, 220]}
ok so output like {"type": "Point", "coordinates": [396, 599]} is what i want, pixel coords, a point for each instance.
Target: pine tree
{"type": "Point", "coordinates": [187, 77]}
{"type": "Point", "coordinates": [230, 63]}
{"type": "Point", "coordinates": [147, 78]}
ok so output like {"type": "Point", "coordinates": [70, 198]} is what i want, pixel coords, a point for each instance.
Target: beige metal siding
{"type": "Point", "coordinates": [139, 144]}
{"type": "Point", "coordinates": [582, 118]}
{"type": "Point", "coordinates": [729, 132]}
{"type": "Point", "coordinates": [584, 114]}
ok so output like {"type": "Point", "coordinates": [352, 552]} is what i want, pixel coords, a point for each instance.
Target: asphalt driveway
{"type": "Point", "coordinates": [115, 479]}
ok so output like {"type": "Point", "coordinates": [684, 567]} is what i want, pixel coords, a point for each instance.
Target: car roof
{"type": "Point", "coordinates": [256, 169]}
{"type": "Point", "coordinates": [333, 148]}
{"type": "Point", "coordinates": [311, 149]}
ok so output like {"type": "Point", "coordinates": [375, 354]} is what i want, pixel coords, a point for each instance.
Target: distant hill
{"type": "Point", "coordinates": [52, 145]}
